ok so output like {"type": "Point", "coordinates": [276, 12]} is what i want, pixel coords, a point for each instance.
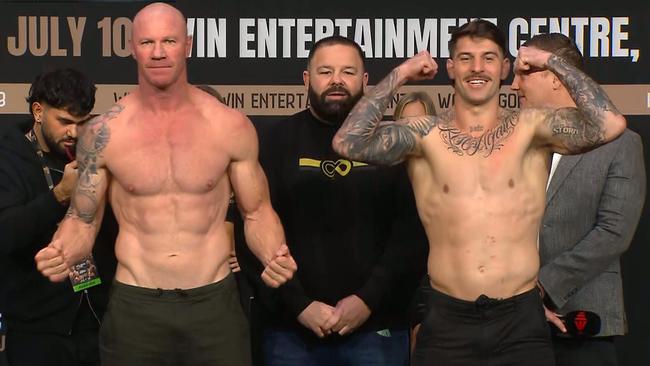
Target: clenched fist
{"type": "Point", "coordinates": [531, 58]}
{"type": "Point", "coordinates": [419, 67]}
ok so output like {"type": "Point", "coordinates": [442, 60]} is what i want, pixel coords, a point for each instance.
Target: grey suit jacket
{"type": "Point", "coordinates": [593, 206]}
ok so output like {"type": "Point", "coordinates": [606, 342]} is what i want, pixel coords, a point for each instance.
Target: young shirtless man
{"type": "Point", "coordinates": [166, 157]}
{"type": "Point", "coordinates": [479, 175]}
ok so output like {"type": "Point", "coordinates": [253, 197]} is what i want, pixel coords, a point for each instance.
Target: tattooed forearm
{"type": "Point", "coordinates": [91, 184]}
{"type": "Point", "coordinates": [392, 140]}
{"type": "Point", "coordinates": [363, 136]}
{"type": "Point", "coordinates": [586, 128]}
{"type": "Point", "coordinates": [366, 115]}
{"type": "Point", "coordinates": [85, 205]}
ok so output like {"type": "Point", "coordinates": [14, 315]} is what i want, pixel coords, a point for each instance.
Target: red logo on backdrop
{"type": "Point", "coordinates": [580, 321]}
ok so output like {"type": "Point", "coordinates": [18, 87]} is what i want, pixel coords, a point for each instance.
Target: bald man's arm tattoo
{"type": "Point", "coordinates": [363, 136]}
{"type": "Point", "coordinates": [91, 184]}
{"type": "Point", "coordinates": [584, 127]}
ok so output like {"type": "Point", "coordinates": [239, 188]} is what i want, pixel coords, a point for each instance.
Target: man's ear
{"type": "Point", "coordinates": [557, 84]}
{"type": "Point", "coordinates": [37, 111]}
{"type": "Point", "coordinates": [365, 81]}
{"type": "Point", "coordinates": [450, 68]}
{"type": "Point", "coordinates": [131, 47]}
{"type": "Point", "coordinates": [305, 78]}
{"type": "Point", "coordinates": [188, 46]}
{"type": "Point", "coordinates": [505, 68]}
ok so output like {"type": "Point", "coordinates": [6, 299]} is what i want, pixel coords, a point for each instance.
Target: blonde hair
{"type": "Point", "coordinates": [422, 97]}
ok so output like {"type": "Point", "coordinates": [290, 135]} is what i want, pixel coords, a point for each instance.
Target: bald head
{"type": "Point", "coordinates": [160, 45]}
{"type": "Point", "coordinates": [161, 12]}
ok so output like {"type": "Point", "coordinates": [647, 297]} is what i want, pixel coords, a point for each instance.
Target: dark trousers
{"type": "Point", "coordinates": [600, 351]}
{"type": "Point", "coordinates": [202, 326]}
{"type": "Point", "coordinates": [486, 332]}
{"type": "Point", "coordinates": [364, 348]}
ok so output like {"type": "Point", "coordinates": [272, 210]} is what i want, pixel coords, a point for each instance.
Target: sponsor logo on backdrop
{"type": "Point", "coordinates": [282, 100]}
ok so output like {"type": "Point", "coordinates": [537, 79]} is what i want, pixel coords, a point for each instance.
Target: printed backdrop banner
{"type": "Point", "coordinates": [254, 53]}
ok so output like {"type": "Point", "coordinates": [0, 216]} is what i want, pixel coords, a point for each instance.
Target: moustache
{"type": "Point", "coordinates": [478, 75]}
{"type": "Point", "coordinates": [337, 89]}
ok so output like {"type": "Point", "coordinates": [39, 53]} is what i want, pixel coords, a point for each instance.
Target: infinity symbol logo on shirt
{"type": "Point", "coordinates": [330, 167]}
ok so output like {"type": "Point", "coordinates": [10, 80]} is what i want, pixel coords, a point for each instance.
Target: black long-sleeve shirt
{"type": "Point", "coordinates": [351, 227]}
{"type": "Point", "coordinates": [29, 215]}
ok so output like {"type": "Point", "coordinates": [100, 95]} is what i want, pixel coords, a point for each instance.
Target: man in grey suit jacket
{"type": "Point", "coordinates": [594, 202]}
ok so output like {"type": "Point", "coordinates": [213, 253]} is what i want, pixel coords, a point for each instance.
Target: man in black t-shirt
{"type": "Point", "coordinates": [352, 228]}
{"type": "Point", "coordinates": [47, 323]}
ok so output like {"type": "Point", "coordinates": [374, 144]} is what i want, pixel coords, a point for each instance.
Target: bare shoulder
{"type": "Point", "coordinates": [553, 120]}
{"type": "Point", "coordinates": [218, 113]}
{"type": "Point", "coordinates": [232, 127]}
{"type": "Point", "coordinates": [241, 133]}
{"type": "Point", "coordinates": [103, 120]}
{"type": "Point", "coordinates": [533, 115]}
{"type": "Point", "coordinates": [509, 114]}
{"type": "Point", "coordinates": [446, 118]}
{"type": "Point", "coordinates": [237, 120]}
{"type": "Point", "coordinates": [94, 135]}
{"type": "Point", "coordinates": [527, 116]}
{"type": "Point", "coordinates": [508, 121]}
{"type": "Point", "coordinates": [536, 120]}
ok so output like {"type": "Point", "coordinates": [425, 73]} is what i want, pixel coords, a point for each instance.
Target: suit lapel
{"type": "Point", "coordinates": [567, 162]}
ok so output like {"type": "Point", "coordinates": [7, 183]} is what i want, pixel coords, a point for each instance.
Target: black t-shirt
{"type": "Point", "coordinates": [29, 216]}
{"type": "Point", "coordinates": [351, 227]}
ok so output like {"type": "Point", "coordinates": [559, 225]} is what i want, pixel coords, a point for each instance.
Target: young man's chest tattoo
{"type": "Point", "coordinates": [463, 143]}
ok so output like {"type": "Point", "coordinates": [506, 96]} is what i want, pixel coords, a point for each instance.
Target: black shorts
{"type": "Point", "coordinates": [486, 332]}
{"type": "Point", "coordinates": [200, 326]}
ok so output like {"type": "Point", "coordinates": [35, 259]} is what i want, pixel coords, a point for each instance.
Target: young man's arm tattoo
{"type": "Point", "coordinates": [363, 136]}
{"type": "Point", "coordinates": [585, 127]}
{"type": "Point", "coordinates": [91, 184]}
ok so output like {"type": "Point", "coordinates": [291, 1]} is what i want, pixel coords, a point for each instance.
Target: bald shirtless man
{"type": "Point", "coordinates": [479, 175]}
{"type": "Point", "coordinates": [166, 156]}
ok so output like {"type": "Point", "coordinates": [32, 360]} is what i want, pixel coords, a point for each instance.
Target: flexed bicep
{"type": "Point", "coordinates": [365, 137]}
{"type": "Point", "coordinates": [594, 121]}
{"type": "Point", "coordinates": [567, 131]}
